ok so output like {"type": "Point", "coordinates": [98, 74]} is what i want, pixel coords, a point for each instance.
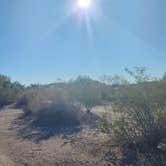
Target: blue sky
{"type": "Point", "coordinates": [40, 41]}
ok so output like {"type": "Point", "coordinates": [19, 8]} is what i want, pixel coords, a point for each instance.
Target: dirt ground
{"type": "Point", "coordinates": [84, 148]}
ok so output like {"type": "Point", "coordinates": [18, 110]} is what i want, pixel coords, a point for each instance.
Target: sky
{"type": "Point", "coordinates": [43, 40]}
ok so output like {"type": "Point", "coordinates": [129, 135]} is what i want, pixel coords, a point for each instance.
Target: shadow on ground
{"type": "Point", "coordinates": [43, 127]}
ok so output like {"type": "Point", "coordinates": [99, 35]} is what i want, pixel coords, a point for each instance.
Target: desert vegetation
{"type": "Point", "coordinates": [9, 91]}
{"type": "Point", "coordinates": [136, 137]}
{"type": "Point", "coordinates": [61, 103]}
{"type": "Point", "coordinates": [140, 131]}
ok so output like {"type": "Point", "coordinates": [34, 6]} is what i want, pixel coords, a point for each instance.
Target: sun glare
{"type": "Point", "coordinates": [84, 3]}
{"type": "Point", "coordinates": [85, 12]}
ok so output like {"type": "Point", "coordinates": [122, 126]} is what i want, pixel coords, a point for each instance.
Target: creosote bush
{"type": "Point", "coordinates": [141, 128]}
{"type": "Point", "coordinates": [56, 106]}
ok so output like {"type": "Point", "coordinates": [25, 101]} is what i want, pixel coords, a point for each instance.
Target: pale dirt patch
{"type": "Point", "coordinates": [79, 149]}
{"type": "Point", "coordinates": [107, 112]}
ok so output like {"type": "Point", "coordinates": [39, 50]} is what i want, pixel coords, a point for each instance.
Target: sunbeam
{"type": "Point", "coordinates": [84, 3]}
{"type": "Point", "coordinates": [86, 12]}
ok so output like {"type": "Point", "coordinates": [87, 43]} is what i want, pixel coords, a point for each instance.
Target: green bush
{"type": "Point", "coordinates": [86, 92]}
{"type": "Point", "coordinates": [141, 128]}
{"type": "Point", "coordinates": [52, 106]}
{"type": "Point", "coordinates": [9, 91]}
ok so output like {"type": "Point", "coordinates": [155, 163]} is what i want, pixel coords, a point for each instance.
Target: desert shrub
{"type": "Point", "coordinates": [40, 97]}
{"type": "Point", "coordinates": [141, 128]}
{"type": "Point", "coordinates": [86, 91]}
{"type": "Point", "coordinates": [115, 80]}
{"type": "Point", "coordinates": [9, 91]}
{"type": "Point", "coordinates": [83, 91]}
{"type": "Point", "coordinates": [164, 76]}
{"type": "Point", "coordinates": [52, 106]}
{"type": "Point", "coordinates": [58, 115]}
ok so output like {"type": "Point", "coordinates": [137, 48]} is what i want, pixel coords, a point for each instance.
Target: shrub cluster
{"type": "Point", "coordinates": [141, 129]}
{"type": "Point", "coordinates": [60, 104]}
{"type": "Point", "coordinates": [9, 92]}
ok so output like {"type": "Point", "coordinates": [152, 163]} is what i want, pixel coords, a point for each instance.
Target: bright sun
{"type": "Point", "coordinates": [84, 3]}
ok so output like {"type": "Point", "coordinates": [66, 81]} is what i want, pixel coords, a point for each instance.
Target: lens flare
{"type": "Point", "coordinates": [84, 3]}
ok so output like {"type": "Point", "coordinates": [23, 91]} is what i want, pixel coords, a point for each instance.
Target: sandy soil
{"type": "Point", "coordinates": [84, 148]}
